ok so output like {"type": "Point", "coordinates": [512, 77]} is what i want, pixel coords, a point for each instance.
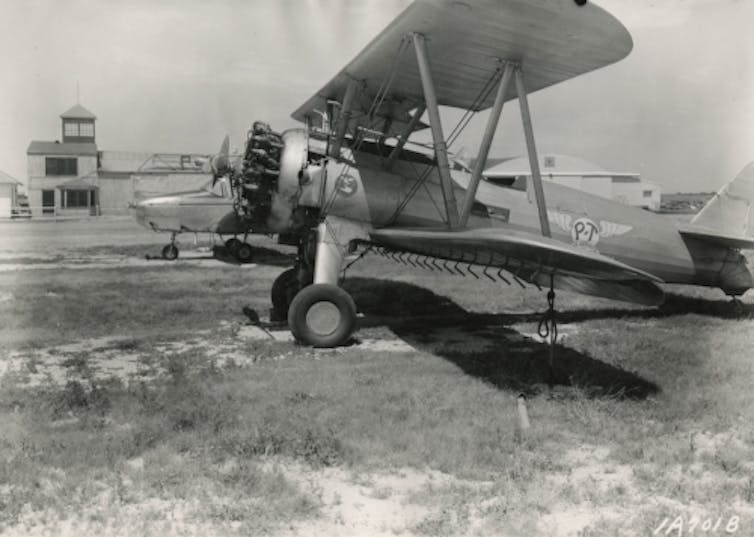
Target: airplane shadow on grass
{"type": "Point", "coordinates": [261, 255]}
{"type": "Point", "coordinates": [484, 346]}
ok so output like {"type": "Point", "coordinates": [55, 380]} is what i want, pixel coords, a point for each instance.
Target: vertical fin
{"type": "Point", "coordinates": [730, 212]}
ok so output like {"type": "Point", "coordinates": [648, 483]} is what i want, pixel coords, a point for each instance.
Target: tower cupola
{"type": "Point", "coordinates": [78, 125]}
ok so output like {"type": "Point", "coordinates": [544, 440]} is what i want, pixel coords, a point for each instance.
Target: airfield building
{"type": "Point", "coordinates": [73, 177]}
{"type": "Point", "coordinates": [627, 188]}
{"type": "Point", "coordinates": [8, 194]}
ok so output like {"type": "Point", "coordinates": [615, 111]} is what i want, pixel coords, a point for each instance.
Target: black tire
{"type": "Point", "coordinates": [244, 253]}
{"type": "Point", "coordinates": [232, 246]}
{"type": "Point", "coordinates": [170, 252]}
{"type": "Point", "coordinates": [284, 288]}
{"type": "Point", "coordinates": [322, 315]}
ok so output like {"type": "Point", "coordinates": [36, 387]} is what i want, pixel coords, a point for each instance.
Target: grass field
{"type": "Point", "coordinates": [138, 401]}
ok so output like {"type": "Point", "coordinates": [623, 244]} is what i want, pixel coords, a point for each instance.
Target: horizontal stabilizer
{"type": "Point", "coordinates": [711, 236]}
{"type": "Point", "coordinates": [531, 258]}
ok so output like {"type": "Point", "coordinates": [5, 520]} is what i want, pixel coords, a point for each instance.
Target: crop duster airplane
{"type": "Point", "coordinates": [347, 181]}
{"type": "Point", "coordinates": [208, 209]}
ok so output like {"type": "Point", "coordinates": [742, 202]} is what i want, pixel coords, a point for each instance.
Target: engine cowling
{"type": "Point", "coordinates": [293, 159]}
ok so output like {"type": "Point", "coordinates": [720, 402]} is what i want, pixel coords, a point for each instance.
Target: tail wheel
{"type": "Point", "coordinates": [322, 315]}
{"type": "Point", "coordinates": [170, 252]}
{"type": "Point", "coordinates": [244, 253]}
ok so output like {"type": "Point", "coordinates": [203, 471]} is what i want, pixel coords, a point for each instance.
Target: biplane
{"type": "Point", "coordinates": [350, 180]}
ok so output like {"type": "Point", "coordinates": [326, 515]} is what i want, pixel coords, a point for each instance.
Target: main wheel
{"type": "Point", "coordinates": [284, 288]}
{"type": "Point", "coordinates": [170, 252]}
{"type": "Point", "coordinates": [322, 315]}
{"type": "Point", "coordinates": [244, 253]}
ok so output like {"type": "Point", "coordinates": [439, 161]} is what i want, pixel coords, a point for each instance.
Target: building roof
{"type": "Point", "coordinates": [6, 179]}
{"type": "Point", "coordinates": [77, 112]}
{"type": "Point", "coordinates": [77, 184]}
{"type": "Point", "coordinates": [37, 147]}
{"type": "Point", "coordinates": [551, 164]}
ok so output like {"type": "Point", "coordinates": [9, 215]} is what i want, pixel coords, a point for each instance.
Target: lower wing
{"type": "Point", "coordinates": [532, 258]}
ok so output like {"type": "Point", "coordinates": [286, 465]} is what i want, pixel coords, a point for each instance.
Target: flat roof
{"type": "Point", "coordinates": [37, 147]}
{"type": "Point", "coordinates": [77, 184]}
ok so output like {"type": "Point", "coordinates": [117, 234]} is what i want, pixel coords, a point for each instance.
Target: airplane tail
{"type": "Point", "coordinates": [729, 211]}
{"type": "Point", "coordinates": [728, 217]}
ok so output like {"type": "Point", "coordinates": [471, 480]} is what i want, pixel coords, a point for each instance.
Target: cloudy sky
{"type": "Point", "coordinates": [177, 75]}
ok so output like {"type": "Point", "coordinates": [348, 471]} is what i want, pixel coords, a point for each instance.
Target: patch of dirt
{"type": "Point", "coordinates": [376, 504]}
{"type": "Point", "coordinates": [124, 358]}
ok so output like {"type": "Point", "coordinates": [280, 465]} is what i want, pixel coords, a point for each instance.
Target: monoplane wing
{"type": "Point", "coordinates": [552, 40]}
{"type": "Point", "coordinates": [531, 258]}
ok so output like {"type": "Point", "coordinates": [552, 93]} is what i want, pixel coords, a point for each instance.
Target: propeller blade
{"type": "Point", "coordinates": [220, 163]}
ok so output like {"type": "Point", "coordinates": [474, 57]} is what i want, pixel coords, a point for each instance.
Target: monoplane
{"type": "Point", "coordinates": [350, 182]}
{"type": "Point", "coordinates": [210, 209]}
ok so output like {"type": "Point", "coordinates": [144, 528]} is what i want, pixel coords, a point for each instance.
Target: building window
{"type": "Point", "coordinates": [70, 128]}
{"type": "Point", "coordinates": [61, 166]}
{"type": "Point", "coordinates": [86, 130]}
{"type": "Point", "coordinates": [78, 129]}
{"type": "Point", "coordinates": [647, 193]}
{"type": "Point", "coordinates": [75, 199]}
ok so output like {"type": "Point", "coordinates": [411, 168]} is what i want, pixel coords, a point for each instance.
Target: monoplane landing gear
{"type": "Point", "coordinates": [322, 315]}
{"type": "Point", "coordinates": [738, 306]}
{"type": "Point", "coordinates": [232, 246]}
{"type": "Point", "coordinates": [241, 250]}
{"type": "Point", "coordinates": [244, 253]}
{"type": "Point", "coordinates": [170, 251]}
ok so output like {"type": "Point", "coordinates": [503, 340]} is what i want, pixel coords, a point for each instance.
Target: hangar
{"type": "Point", "coordinates": [73, 177]}
{"type": "Point", "coordinates": [575, 172]}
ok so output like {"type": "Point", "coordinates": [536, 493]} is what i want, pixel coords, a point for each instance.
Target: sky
{"type": "Point", "coordinates": [177, 75]}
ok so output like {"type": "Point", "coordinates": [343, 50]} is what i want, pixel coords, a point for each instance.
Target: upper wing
{"type": "Point", "coordinates": [554, 40]}
{"type": "Point", "coordinates": [531, 258]}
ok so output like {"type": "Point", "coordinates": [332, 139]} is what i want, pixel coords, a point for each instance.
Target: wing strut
{"type": "Point", "coordinates": [344, 117]}
{"type": "Point", "coordinates": [405, 136]}
{"type": "Point", "coordinates": [536, 176]}
{"type": "Point", "coordinates": [484, 149]}
{"type": "Point", "coordinates": [441, 148]}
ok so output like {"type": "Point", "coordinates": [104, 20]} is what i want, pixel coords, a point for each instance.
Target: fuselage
{"type": "Point", "coordinates": [205, 210]}
{"type": "Point", "coordinates": [359, 188]}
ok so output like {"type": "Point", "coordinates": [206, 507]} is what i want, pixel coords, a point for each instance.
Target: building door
{"type": "Point", "coordinates": [48, 202]}
{"type": "Point", "coordinates": [93, 202]}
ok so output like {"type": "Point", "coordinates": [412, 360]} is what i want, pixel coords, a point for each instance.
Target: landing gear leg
{"type": "Point", "coordinates": [323, 314]}
{"type": "Point", "coordinates": [170, 252]}
{"type": "Point", "coordinates": [290, 282]}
